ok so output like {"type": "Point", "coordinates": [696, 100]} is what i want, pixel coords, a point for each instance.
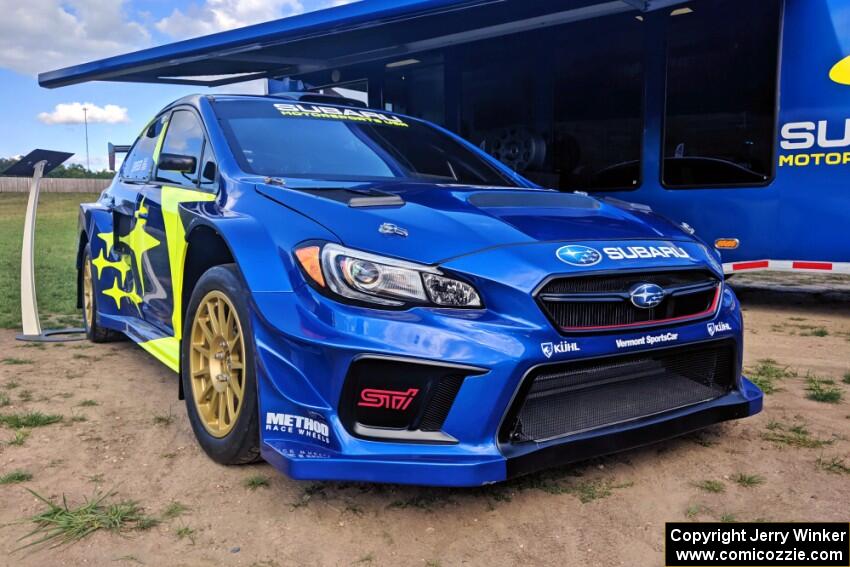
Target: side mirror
{"type": "Point", "coordinates": [209, 172]}
{"type": "Point", "coordinates": [176, 162]}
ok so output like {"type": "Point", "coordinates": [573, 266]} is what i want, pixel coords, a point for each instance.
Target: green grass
{"type": "Point", "coordinates": [695, 510]}
{"type": "Point", "coordinates": [28, 419]}
{"type": "Point", "coordinates": [62, 524]}
{"type": "Point", "coordinates": [846, 378]}
{"type": "Point", "coordinates": [834, 465]}
{"type": "Point", "coordinates": [165, 419]}
{"type": "Point", "coordinates": [792, 436]}
{"type": "Point", "coordinates": [186, 532]}
{"type": "Point", "coordinates": [173, 510]}
{"type": "Point", "coordinates": [748, 480]}
{"type": "Point", "coordinates": [713, 486]}
{"type": "Point", "coordinates": [4, 400]}
{"type": "Point", "coordinates": [816, 332]}
{"type": "Point", "coordinates": [11, 361]}
{"type": "Point", "coordinates": [87, 403]}
{"type": "Point", "coordinates": [821, 390]}
{"type": "Point", "coordinates": [589, 491]}
{"type": "Point", "coordinates": [767, 372]}
{"type": "Point", "coordinates": [20, 438]}
{"type": "Point", "coordinates": [256, 481]}
{"type": "Point", "coordinates": [15, 477]}
{"type": "Point", "coordinates": [55, 250]}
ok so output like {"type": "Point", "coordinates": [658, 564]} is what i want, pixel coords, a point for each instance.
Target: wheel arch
{"type": "Point", "coordinates": [82, 242]}
{"type": "Point", "coordinates": [205, 249]}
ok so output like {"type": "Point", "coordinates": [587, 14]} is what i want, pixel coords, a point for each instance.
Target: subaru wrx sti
{"type": "Point", "coordinates": [355, 294]}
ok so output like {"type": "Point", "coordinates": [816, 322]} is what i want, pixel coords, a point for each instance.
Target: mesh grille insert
{"type": "Point", "coordinates": [564, 399]}
{"type": "Point", "coordinates": [599, 301]}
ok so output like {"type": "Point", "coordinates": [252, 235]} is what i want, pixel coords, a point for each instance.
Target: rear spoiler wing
{"type": "Point", "coordinates": [113, 149]}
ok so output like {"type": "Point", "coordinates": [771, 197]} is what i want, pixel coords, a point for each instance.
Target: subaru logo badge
{"type": "Point", "coordinates": [576, 255]}
{"type": "Point", "coordinates": [646, 295]}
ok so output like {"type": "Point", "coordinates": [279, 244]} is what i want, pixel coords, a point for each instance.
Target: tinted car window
{"type": "Point", "coordinates": [184, 137]}
{"type": "Point", "coordinates": [139, 162]}
{"type": "Point", "coordinates": [325, 142]}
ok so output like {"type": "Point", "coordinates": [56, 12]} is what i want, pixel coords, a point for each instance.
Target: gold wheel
{"type": "Point", "coordinates": [88, 294]}
{"type": "Point", "coordinates": [216, 364]}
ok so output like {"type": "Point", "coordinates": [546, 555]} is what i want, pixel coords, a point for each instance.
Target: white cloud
{"type": "Point", "coordinates": [40, 35]}
{"type": "Point", "coordinates": [218, 15]}
{"type": "Point", "coordinates": [72, 113]}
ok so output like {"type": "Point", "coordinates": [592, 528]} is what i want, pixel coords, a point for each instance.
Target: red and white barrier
{"type": "Point", "coordinates": [787, 266]}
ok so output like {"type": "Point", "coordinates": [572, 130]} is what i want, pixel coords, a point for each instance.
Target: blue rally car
{"type": "Point", "coordinates": [355, 294]}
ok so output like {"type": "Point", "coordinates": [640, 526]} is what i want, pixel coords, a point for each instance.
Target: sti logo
{"type": "Point", "coordinates": [387, 399]}
{"type": "Point", "coordinates": [719, 327]}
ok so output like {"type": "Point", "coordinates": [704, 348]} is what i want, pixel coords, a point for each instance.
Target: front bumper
{"type": "Point", "coordinates": [471, 470]}
{"type": "Point", "coordinates": [306, 346]}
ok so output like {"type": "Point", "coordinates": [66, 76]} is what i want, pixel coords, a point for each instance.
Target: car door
{"type": "Point", "coordinates": [114, 253]}
{"type": "Point", "coordinates": [178, 178]}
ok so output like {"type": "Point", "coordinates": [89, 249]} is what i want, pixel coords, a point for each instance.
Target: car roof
{"type": "Point", "coordinates": [326, 100]}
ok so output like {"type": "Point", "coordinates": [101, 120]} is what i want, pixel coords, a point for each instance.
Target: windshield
{"type": "Point", "coordinates": [328, 142]}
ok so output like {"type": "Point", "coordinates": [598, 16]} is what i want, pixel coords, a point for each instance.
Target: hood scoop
{"type": "Point", "coordinates": [529, 199]}
{"type": "Point", "coordinates": [356, 198]}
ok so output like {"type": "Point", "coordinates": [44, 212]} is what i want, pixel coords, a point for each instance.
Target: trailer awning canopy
{"type": "Point", "coordinates": [355, 33]}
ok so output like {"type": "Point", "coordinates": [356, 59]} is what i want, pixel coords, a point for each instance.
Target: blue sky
{"type": "Point", "coordinates": [41, 35]}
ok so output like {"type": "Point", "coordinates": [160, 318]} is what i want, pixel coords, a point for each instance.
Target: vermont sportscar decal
{"type": "Point", "coordinates": [648, 340]}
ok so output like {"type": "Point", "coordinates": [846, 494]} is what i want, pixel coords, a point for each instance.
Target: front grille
{"type": "Point", "coordinates": [603, 301]}
{"type": "Point", "coordinates": [565, 399]}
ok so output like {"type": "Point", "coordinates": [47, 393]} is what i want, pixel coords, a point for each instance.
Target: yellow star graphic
{"type": "Point", "coordinates": [139, 241]}
{"type": "Point", "coordinates": [108, 239]}
{"type": "Point", "coordinates": [135, 298]}
{"type": "Point", "coordinates": [100, 263]}
{"type": "Point", "coordinates": [116, 293]}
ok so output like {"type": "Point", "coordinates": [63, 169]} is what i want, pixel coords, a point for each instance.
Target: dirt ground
{"type": "Point", "coordinates": [137, 442]}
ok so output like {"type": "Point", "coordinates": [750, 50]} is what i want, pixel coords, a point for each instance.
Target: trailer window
{"type": "Point", "coordinates": [562, 106]}
{"type": "Point", "coordinates": [415, 90]}
{"type": "Point", "coordinates": [721, 93]}
{"type": "Point", "coordinates": [598, 106]}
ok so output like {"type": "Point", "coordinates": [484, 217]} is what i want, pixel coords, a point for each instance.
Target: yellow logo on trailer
{"type": "Point", "coordinates": [840, 72]}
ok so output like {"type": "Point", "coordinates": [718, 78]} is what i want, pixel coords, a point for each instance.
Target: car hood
{"type": "Point", "coordinates": [441, 222]}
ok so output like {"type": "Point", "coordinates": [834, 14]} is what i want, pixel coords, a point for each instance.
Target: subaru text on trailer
{"type": "Point", "coordinates": [355, 294]}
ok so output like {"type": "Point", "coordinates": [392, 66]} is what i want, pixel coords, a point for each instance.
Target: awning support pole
{"type": "Point", "coordinates": [29, 305]}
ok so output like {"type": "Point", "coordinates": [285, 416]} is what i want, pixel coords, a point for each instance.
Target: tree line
{"type": "Point", "coordinates": [73, 170]}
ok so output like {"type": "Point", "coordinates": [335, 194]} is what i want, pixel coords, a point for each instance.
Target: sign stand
{"type": "Point", "coordinates": [36, 164]}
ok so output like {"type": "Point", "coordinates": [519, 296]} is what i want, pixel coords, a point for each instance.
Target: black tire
{"type": "Point", "coordinates": [241, 445]}
{"type": "Point", "coordinates": [94, 331]}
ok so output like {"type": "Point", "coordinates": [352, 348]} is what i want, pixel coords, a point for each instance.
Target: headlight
{"type": "Point", "coordinates": [369, 278]}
